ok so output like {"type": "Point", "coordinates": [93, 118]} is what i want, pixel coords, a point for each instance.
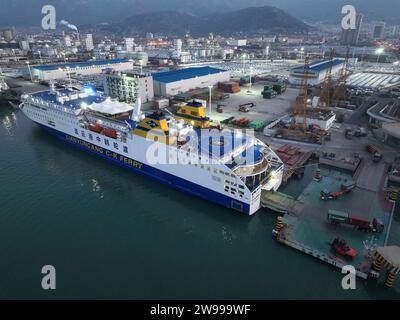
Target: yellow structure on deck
{"type": "Point", "coordinates": [155, 127]}
{"type": "Point", "coordinates": [193, 113]}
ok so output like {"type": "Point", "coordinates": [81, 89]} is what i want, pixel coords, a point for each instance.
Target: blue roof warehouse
{"type": "Point", "coordinates": [317, 71]}
{"type": "Point", "coordinates": [170, 83]}
{"type": "Point", "coordinates": [65, 70]}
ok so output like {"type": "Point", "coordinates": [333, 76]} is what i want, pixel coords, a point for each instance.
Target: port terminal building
{"type": "Point", "coordinates": [386, 115]}
{"type": "Point", "coordinates": [170, 83]}
{"type": "Point", "coordinates": [66, 70]}
{"type": "Point", "coordinates": [317, 71]}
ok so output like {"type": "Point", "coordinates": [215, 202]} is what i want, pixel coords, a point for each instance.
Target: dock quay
{"type": "Point", "coordinates": [324, 257]}
{"type": "Point", "coordinates": [294, 159]}
{"type": "Point", "coordinates": [341, 161]}
{"type": "Point", "coordinates": [306, 228]}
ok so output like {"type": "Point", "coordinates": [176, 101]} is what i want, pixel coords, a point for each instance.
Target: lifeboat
{"type": "Point", "coordinates": [111, 133]}
{"type": "Point", "coordinates": [95, 127]}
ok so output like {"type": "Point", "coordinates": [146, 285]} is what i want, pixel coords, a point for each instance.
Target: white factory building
{"type": "Point", "coordinates": [66, 70]}
{"type": "Point", "coordinates": [174, 82]}
{"type": "Point", "coordinates": [317, 71]}
{"type": "Point", "coordinates": [127, 87]}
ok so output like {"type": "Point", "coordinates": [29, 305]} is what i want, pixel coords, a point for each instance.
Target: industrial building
{"type": "Point", "coordinates": [384, 112]}
{"type": "Point", "coordinates": [317, 71]}
{"type": "Point", "coordinates": [170, 83]}
{"type": "Point", "coordinates": [65, 70]}
{"type": "Point", "coordinates": [127, 87]}
{"type": "Point", "coordinates": [321, 119]}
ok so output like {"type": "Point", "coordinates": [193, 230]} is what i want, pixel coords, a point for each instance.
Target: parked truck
{"type": "Point", "coordinates": [344, 188]}
{"type": "Point", "coordinates": [361, 223]}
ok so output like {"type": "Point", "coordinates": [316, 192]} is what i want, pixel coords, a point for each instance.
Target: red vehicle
{"type": "Point", "coordinates": [341, 247]}
{"type": "Point", "coordinates": [375, 151]}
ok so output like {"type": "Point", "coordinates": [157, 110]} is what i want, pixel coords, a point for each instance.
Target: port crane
{"type": "Point", "coordinates": [326, 93]}
{"type": "Point", "coordinates": [300, 107]}
{"type": "Point", "coordinates": [340, 92]}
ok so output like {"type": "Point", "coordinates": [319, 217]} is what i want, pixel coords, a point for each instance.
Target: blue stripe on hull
{"type": "Point", "coordinates": [155, 174]}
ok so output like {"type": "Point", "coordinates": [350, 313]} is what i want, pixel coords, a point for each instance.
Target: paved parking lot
{"type": "Point", "coordinates": [265, 109]}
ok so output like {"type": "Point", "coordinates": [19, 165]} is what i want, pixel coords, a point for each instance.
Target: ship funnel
{"type": "Point", "coordinates": [137, 112]}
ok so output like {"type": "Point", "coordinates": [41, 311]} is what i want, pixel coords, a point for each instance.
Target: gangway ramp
{"type": "Point", "coordinates": [280, 202]}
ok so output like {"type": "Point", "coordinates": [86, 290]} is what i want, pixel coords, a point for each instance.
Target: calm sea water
{"type": "Point", "coordinates": [112, 234]}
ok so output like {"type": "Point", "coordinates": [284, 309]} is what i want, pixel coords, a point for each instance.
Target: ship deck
{"type": "Point", "coordinates": [73, 104]}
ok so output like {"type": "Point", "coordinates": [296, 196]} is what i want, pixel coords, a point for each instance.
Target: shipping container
{"type": "Point", "coordinates": [337, 216]}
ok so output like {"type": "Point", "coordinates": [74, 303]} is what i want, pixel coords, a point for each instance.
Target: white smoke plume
{"type": "Point", "coordinates": [69, 25]}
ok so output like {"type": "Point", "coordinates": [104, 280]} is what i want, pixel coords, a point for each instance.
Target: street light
{"type": "Point", "coordinates": [209, 101]}
{"type": "Point", "coordinates": [379, 51]}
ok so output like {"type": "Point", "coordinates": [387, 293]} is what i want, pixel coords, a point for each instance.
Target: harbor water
{"type": "Point", "coordinates": [111, 234]}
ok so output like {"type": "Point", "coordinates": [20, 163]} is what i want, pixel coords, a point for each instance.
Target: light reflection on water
{"type": "Point", "coordinates": [9, 122]}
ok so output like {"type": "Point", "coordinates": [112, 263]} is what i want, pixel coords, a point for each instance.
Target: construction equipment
{"type": "Point", "coordinates": [325, 95]}
{"type": "Point", "coordinates": [244, 109]}
{"type": "Point", "coordinates": [344, 189]}
{"type": "Point", "coordinates": [243, 122]}
{"type": "Point", "coordinates": [220, 108]}
{"type": "Point", "coordinates": [249, 105]}
{"type": "Point", "coordinates": [341, 247]}
{"type": "Point", "coordinates": [375, 151]}
{"type": "Point", "coordinates": [340, 93]}
{"type": "Point", "coordinates": [300, 107]}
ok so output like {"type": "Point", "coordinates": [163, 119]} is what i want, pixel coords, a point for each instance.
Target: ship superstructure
{"type": "Point", "coordinates": [223, 166]}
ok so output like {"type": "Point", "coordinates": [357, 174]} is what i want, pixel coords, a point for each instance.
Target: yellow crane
{"type": "Point", "coordinates": [300, 107]}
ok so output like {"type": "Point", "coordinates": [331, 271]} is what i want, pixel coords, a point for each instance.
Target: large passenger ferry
{"type": "Point", "coordinates": [181, 150]}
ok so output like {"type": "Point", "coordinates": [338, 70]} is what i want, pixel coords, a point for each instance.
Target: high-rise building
{"type": "Point", "coordinates": [67, 41]}
{"type": "Point", "coordinates": [129, 44]}
{"type": "Point", "coordinates": [127, 87]}
{"type": "Point", "coordinates": [178, 45]}
{"type": "Point", "coordinates": [379, 30]}
{"type": "Point", "coordinates": [88, 42]}
{"type": "Point", "coordinates": [149, 36]}
{"type": "Point", "coordinates": [8, 34]}
{"type": "Point", "coordinates": [350, 37]}
{"type": "Point", "coordinates": [24, 45]}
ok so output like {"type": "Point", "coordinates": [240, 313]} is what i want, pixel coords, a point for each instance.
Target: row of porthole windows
{"type": "Point", "coordinates": [37, 115]}
{"type": "Point", "coordinates": [202, 166]}
{"type": "Point", "coordinates": [218, 179]}
{"type": "Point", "coordinates": [98, 139]}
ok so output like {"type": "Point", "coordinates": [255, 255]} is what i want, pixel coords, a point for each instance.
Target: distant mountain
{"type": "Point", "coordinates": [250, 20]}
{"type": "Point", "coordinates": [79, 12]}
